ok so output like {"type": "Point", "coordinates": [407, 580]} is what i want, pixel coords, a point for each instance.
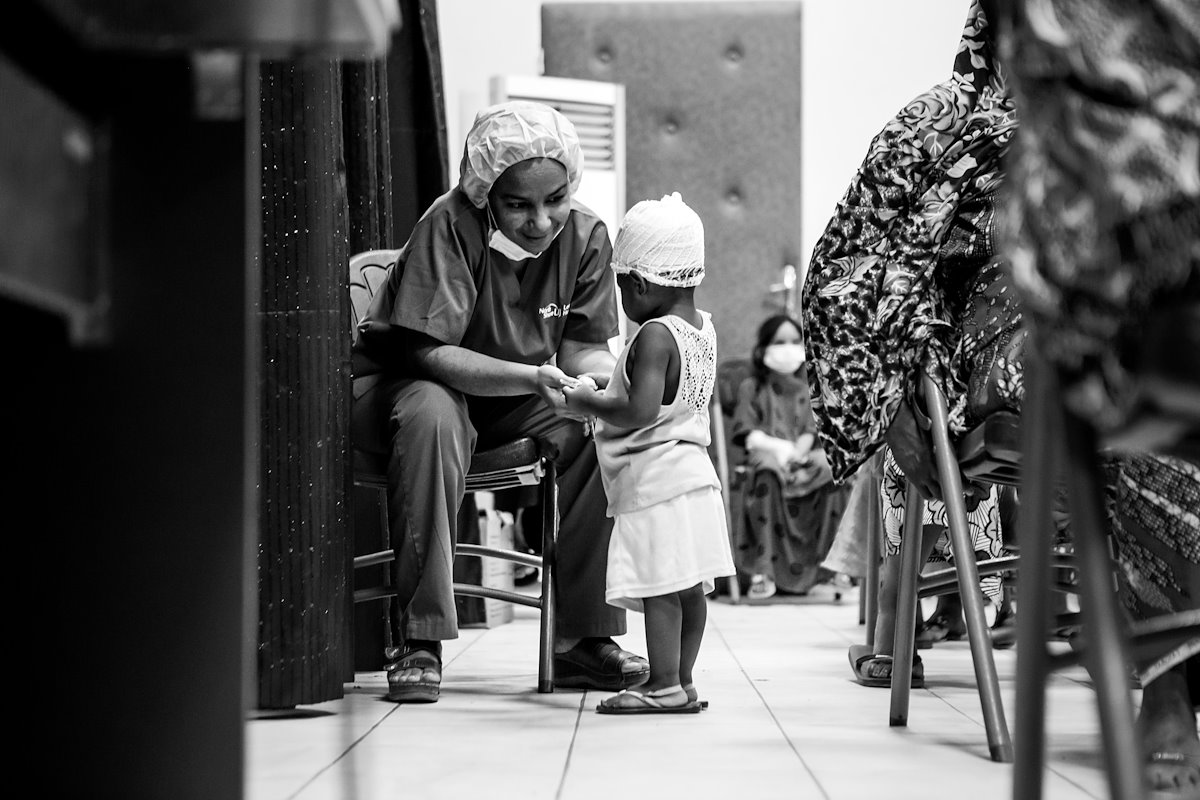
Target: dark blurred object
{"type": "Point", "coordinates": [270, 27]}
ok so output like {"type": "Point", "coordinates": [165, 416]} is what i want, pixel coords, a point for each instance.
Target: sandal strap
{"type": "Point", "coordinates": [415, 659]}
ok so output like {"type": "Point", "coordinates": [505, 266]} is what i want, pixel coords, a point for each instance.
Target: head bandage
{"type": "Point", "coordinates": [510, 133]}
{"type": "Point", "coordinates": [663, 241]}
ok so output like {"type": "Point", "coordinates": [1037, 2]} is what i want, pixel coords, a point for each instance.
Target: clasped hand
{"type": "Point", "coordinates": [554, 386]}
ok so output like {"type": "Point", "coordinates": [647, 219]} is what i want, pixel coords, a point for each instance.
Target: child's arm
{"type": "Point", "coordinates": [653, 358]}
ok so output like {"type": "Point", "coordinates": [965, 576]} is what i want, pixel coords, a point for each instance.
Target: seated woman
{"type": "Point", "coordinates": [910, 256]}
{"type": "Point", "coordinates": [790, 507]}
{"type": "Point", "coordinates": [905, 278]}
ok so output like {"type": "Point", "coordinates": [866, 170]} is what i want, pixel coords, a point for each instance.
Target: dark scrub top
{"type": "Point", "coordinates": [448, 284]}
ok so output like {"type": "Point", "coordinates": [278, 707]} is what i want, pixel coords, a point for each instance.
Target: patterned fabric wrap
{"type": "Point", "coordinates": [983, 525]}
{"type": "Point", "coordinates": [1155, 511]}
{"type": "Point", "coordinates": [1104, 217]}
{"type": "Point", "coordinates": [873, 312]}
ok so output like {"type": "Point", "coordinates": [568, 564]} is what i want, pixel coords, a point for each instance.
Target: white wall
{"type": "Point", "coordinates": [863, 60]}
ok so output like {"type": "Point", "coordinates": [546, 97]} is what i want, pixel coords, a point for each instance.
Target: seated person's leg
{"type": "Point", "coordinates": [1159, 550]}
{"type": "Point", "coordinates": [873, 666]}
{"type": "Point", "coordinates": [424, 425]}
{"type": "Point", "coordinates": [763, 515]}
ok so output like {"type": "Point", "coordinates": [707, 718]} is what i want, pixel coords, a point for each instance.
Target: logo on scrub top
{"type": "Point", "coordinates": [553, 310]}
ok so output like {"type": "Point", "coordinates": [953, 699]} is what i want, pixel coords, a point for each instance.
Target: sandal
{"type": "Point", "coordinates": [940, 628]}
{"type": "Point", "coordinates": [599, 664]}
{"type": "Point", "coordinates": [862, 658]}
{"type": "Point", "coordinates": [1169, 771]}
{"type": "Point", "coordinates": [422, 690]}
{"type": "Point", "coordinates": [762, 587]}
{"type": "Point", "coordinates": [690, 689]}
{"type": "Point", "coordinates": [630, 701]}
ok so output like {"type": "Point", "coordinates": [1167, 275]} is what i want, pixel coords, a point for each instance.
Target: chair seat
{"type": "Point", "coordinates": [991, 451]}
{"type": "Point", "coordinates": [516, 463]}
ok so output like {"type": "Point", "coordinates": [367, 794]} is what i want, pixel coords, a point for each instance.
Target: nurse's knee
{"type": "Point", "coordinates": [431, 414]}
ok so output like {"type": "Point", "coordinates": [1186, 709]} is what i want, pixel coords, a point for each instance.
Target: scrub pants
{"type": "Point", "coordinates": [432, 431]}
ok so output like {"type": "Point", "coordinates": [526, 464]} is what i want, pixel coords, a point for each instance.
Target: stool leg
{"type": "Point", "coordinates": [549, 554]}
{"type": "Point", "coordinates": [982, 656]}
{"type": "Point", "coordinates": [1035, 535]}
{"type": "Point", "coordinates": [1106, 653]}
{"type": "Point", "coordinates": [904, 642]}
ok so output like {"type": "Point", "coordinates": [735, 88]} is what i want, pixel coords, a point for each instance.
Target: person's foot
{"type": "Point", "coordinates": [941, 627]}
{"type": "Point", "coordinates": [416, 676]}
{"type": "Point", "coordinates": [664, 700]}
{"type": "Point", "coordinates": [875, 669]}
{"type": "Point", "coordinates": [762, 587]}
{"type": "Point", "coordinates": [693, 696]}
{"type": "Point", "coordinates": [597, 662]}
{"type": "Point", "coordinates": [1167, 727]}
{"type": "Point", "coordinates": [1004, 627]}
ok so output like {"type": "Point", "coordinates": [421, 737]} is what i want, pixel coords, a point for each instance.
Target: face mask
{"type": "Point", "coordinates": [507, 247]}
{"type": "Point", "coordinates": [784, 358]}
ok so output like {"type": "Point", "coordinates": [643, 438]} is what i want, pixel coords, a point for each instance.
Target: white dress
{"type": "Point", "coordinates": [669, 530]}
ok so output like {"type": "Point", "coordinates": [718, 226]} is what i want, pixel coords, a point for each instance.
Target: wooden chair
{"type": "Point", "coordinates": [517, 463]}
{"type": "Point", "coordinates": [729, 457]}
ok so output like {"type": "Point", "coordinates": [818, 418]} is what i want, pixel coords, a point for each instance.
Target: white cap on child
{"type": "Point", "coordinates": [663, 241]}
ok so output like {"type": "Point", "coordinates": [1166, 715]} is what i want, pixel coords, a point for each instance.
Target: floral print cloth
{"type": "Point", "coordinates": [1103, 221]}
{"type": "Point", "coordinates": [875, 308]}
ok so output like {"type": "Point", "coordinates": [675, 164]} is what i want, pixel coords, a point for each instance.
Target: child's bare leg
{"type": "Point", "coordinates": [695, 614]}
{"type": "Point", "coordinates": [664, 621]}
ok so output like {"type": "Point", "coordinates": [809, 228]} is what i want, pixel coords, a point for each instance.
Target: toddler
{"type": "Point", "coordinates": [669, 540]}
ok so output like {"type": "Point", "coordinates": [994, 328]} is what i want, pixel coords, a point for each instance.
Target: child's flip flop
{"type": "Point", "coordinates": [629, 701]}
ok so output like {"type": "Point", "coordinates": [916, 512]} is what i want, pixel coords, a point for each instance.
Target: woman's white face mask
{"type": "Point", "coordinates": [532, 201]}
{"type": "Point", "coordinates": [508, 248]}
{"type": "Point", "coordinates": [784, 358]}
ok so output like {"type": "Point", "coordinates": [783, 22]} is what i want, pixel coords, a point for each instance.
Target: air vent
{"type": "Point", "coordinates": [595, 124]}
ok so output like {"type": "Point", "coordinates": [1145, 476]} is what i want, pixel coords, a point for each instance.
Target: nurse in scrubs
{"type": "Point", "coordinates": [500, 296]}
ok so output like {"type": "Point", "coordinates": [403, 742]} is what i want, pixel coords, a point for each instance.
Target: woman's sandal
{"type": "Point", "coordinates": [940, 628]}
{"type": "Point", "coordinates": [422, 690]}
{"type": "Point", "coordinates": [863, 657]}
{"type": "Point", "coordinates": [1173, 774]}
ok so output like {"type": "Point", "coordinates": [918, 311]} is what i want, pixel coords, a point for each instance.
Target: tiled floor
{"type": "Point", "coordinates": [786, 721]}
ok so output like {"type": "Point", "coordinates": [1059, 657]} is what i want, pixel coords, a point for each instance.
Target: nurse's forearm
{"type": "Point", "coordinates": [475, 373]}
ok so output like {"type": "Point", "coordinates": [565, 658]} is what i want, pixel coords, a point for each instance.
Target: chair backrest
{"type": "Point", "coordinates": [730, 374]}
{"type": "Point", "coordinates": [368, 270]}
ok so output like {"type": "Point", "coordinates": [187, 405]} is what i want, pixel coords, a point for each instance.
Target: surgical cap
{"type": "Point", "coordinates": [663, 241]}
{"type": "Point", "coordinates": [512, 132]}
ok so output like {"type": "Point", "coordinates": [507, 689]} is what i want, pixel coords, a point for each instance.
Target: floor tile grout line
{"type": "Point", "coordinates": [359, 740]}
{"type": "Point", "coordinates": [562, 780]}
{"type": "Point", "coordinates": [345, 752]}
{"type": "Point", "coordinates": [791, 745]}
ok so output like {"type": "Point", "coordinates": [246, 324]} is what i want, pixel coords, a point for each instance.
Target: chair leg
{"type": "Point", "coordinates": [1106, 650]}
{"type": "Point", "coordinates": [869, 593]}
{"type": "Point", "coordinates": [1035, 535]}
{"type": "Point", "coordinates": [391, 612]}
{"type": "Point", "coordinates": [548, 599]}
{"type": "Point", "coordinates": [904, 641]}
{"type": "Point", "coordinates": [999, 742]}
